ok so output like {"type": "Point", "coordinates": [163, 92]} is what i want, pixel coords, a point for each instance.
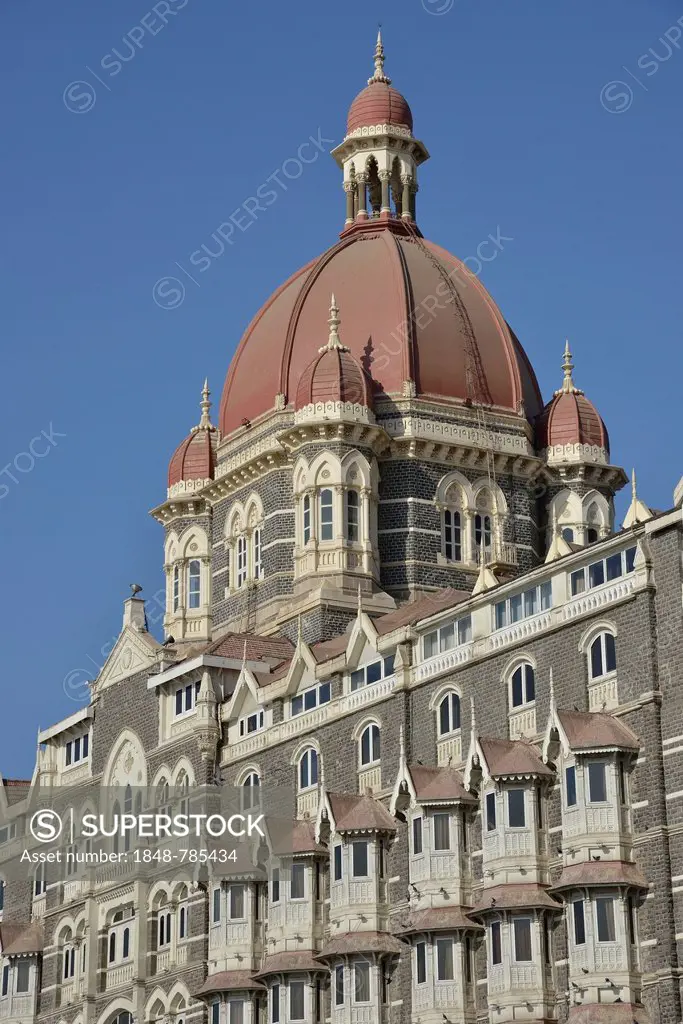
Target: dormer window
{"type": "Point", "coordinates": [311, 698]}
{"type": "Point", "coordinates": [524, 605]}
{"type": "Point", "coordinates": [252, 723]}
{"type": "Point", "coordinates": [372, 673]}
{"type": "Point", "coordinates": [186, 699]}
{"type": "Point", "coordinates": [77, 750]}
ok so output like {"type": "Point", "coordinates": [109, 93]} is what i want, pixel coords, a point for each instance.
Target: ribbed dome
{"type": "Point", "coordinates": [570, 418]}
{"type": "Point", "coordinates": [379, 103]}
{"type": "Point", "coordinates": [400, 323]}
{"type": "Point", "coordinates": [195, 456]}
{"type": "Point", "coordinates": [334, 375]}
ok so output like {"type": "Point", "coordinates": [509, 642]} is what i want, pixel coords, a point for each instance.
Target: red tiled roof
{"type": "Point", "coordinates": [194, 458]}
{"type": "Point", "coordinates": [258, 648]}
{"type": "Point", "coordinates": [289, 963]}
{"type": "Point", "coordinates": [230, 981]}
{"type": "Point", "coordinates": [19, 939]}
{"type": "Point", "coordinates": [438, 784]}
{"type": "Point", "coordinates": [436, 919]}
{"type": "Point", "coordinates": [609, 1013]}
{"type": "Point", "coordinates": [591, 730]}
{"type": "Point", "coordinates": [361, 942]}
{"type": "Point", "coordinates": [512, 757]}
{"type": "Point", "coordinates": [601, 872]}
{"type": "Point", "coordinates": [423, 608]}
{"type": "Point", "coordinates": [328, 649]}
{"type": "Point", "coordinates": [570, 418]}
{"type": "Point", "coordinates": [510, 897]}
{"type": "Point", "coordinates": [334, 375]}
{"type": "Point", "coordinates": [292, 837]}
{"type": "Point", "coordinates": [352, 812]}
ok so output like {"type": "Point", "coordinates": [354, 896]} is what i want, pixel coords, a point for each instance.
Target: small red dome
{"type": "Point", "coordinates": [379, 103]}
{"type": "Point", "coordinates": [570, 418]}
{"type": "Point", "coordinates": [195, 457]}
{"type": "Point", "coordinates": [334, 375]}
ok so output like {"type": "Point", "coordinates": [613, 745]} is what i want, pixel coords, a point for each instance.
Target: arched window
{"type": "Point", "coordinates": [194, 582]}
{"type": "Point", "coordinates": [250, 794]}
{"type": "Point", "coordinates": [123, 1018]}
{"type": "Point", "coordinates": [352, 516]}
{"type": "Point", "coordinates": [591, 535]}
{"type": "Point", "coordinates": [603, 656]}
{"type": "Point", "coordinates": [176, 587]}
{"type": "Point", "coordinates": [449, 714]}
{"type": "Point", "coordinates": [256, 548]}
{"type": "Point", "coordinates": [452, 530]}
{"type": "Point", "coordinates": [308, 769]}
{"type": "Point", "coordinates": [183, 788]}
{"type": "Point", "coordinates": [568, 534]}
{"type": "Point", "coordinates": [523, 686]}
{"type": "Point", "coordinates": [307, 518]}
{"type": "Point", "coordinates": [326, 514]}
{"type": "Point", "coordinates": [482, 530]}
{"type": "Point", "coordinates": [125, 953]}
{"type": "Point", "coordinates": [112, 947]}
{"type": "Point", "coordinates": [162, 797]}
{"type": "Point", "coordinates": [163, 928]}
{"type": "Point", "coordinates": [241, 560]}
{"type": "Point", "coordinates": [370, 745]}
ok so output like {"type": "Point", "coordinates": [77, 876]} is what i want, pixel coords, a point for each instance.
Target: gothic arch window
{"type": "Point", "coordinates": [186, 565]}
{"type": "Point", "coordinates": [374, 187]}
{"type": "Point", "coordinates": [308, 769]}
{"type": "Point", "coordinates": [245, 542]}
{"type": "Point", "coordinates": [176, 587]}
{"type": "Point", "coordinates": [522, 685]}
{"type": "Point", "coordinates": [251, 785]}
{"type": "Point", "coordinates": [307, 518]}
{"type": "Point", "coordinates": [472, 515]}
{"type": "Point", "coordinates": [241, 567]}
{"type": "Point", "coordinates": [483, 521]}
{"type": "Point", "coordinates": [603, 655]}
{"type": "Point", "coordinates": [448, 714]}
{"type": "Point", "coordinates": [257, 553]}
{"type": "Point", "coordinates": [369, 745]}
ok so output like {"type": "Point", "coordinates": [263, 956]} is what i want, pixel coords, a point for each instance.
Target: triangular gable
{"type": "Point", "coordinates": [245, 687]}
{"type": "Point", "coordinates": [133, 652]}
{"type": "Point", "coordinates": [476, 761]}
{"type": "Point", "coordinates": [302, 661]}
{"type": "Point", "coordinates": [362, 635]}
{"type": "Point", "coordinates": [325, 816]}
{"type": "Point", "coordinates": [404, 782]}
{"type": "Point", "coordinates": [554, 726]}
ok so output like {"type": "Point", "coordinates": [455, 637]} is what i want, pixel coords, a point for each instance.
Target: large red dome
{"type": "Point", "coordinates": [398, 321]}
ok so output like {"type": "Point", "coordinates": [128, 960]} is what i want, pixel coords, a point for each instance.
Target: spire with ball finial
{"type": "Point", "coordinates": [379, 75]}
{"type": "Point", "coordinates": [568, 387]}
{"type": "Point", "coordinates": [334, 341]}
{"type": "Point", "coordinates": [205, 405]}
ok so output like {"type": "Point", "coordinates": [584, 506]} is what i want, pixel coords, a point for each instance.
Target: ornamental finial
{"type": "Point", "coordinates": [334, 341]}
{"type": "Point", "coordinates": [205, 405]}
{"type": "Point", "coordinates": [379, 75]}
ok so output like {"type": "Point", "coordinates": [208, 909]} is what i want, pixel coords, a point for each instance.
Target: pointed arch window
{"type": "Point", "coordinates": [370, 745]}
{"type": "Point", "coordinates": [308, 769]}
{"type": "Point", "coordinates": [307, 518]}
{"type": "Point", "coordinates": [603, 656]}
{"type": "Point", "coordinates": [326, 509]}
{"type": "Point", "coordinates": [250, 791]}
{"type": "Point", "coordinates": [176, 587]}
{"type": "Point", "coordinates": [483, 531]}
{"type": "Point", "coordinates": [452, 535]}
{"type": "Point", "coordinates": [256, 552]}
{"type": "Point", "coordinates": [449, 714]}
{"type": "Point", "coordinates": [241, 560]}
{"type": "Point", "coordinates": [522, 686]}
{"type": "Point", "coordinates": [194, 582]}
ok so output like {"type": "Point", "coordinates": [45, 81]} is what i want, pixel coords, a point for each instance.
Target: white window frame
{"type": "Point", "coordinates": [320, 690]}
{"type": "Point", "coordinates": [194, 592]}
{"type": "Point", "coordinates": [374, 733]}
{"type": "Point", "coordinates": [308, 754]}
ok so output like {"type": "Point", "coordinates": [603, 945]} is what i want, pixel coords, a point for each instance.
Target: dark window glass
{"type": "Point", "coordinates": [23, 976]}
{"type": "Point", "coordinates": [5, 979]}
{"type": "Point", "coordinates": [604, 912]}
{"type": "Point", "coordinates": [68, 753]}
{"type": "Point", "coordinates": [496, 952]}
{"type": "Point", "coordinates": [337, 863]}
{"type": "Point", "coordinates": [216, 905]}
{"type": "Point", "coordinates": [530, 679]}
{"type": "Point", "coordinates": [579, 923]}
{"type": "Point", "coordinates": [179, 702]}
{"type": "Point", "coordinates": [516, 816]}
{"type": "Point", "coordinates": [596, 658]}
{"type": "Point", "coordinates": [570, 783]}
{"type": "Point", "coordinates": [86, 744]}
{"type": "Point", "coordinates": [417, 836]}
{"type": "Point", "coordinates": [522, 930]}
{"type": "Point", "coordinates": [360, 859]}
{"type": "Point", "coordinates": [517, 694]}
{"type": "Point", "coordinates": [358, 679]}
{"type": "Point", "coordinates": [339, 985]}
{"type": "Point", "coordinates": [297, 705]}
{"type": "Point", "coordinates": [126, 943]}
{"type": "Point", "coordinates": [596, 574]}
{"type": "Point", "coordinates": [298, 881]}
{"type": "Point", "coordinates": [215, 1013]}
{"type": "Point", "coordinates": [630, 559]}
{"type": "Point", "coordinates": [421, 961]}
{"type": "Point", "coordinates": [490, 812]}
{"type": "Point", "coordinates": [631, 922]}
{"type": "Point", "coordinates": [597, 782]}
{"type": "Point", "coordinates": [112, 947]}
{"type": "Point", "coordinates": [442, 831]}
{"type": "Point", "coordinates": [275, 886]}
{"type": "Point", "coordinates": [613, 566]}
{"type": "Point", "coordinates": [444, 959]}
{"type": "Point", "coordinates": [275, 1004]}
{"type": "Point", "coordinates": [324, 693]}
{"type": "Point", "coordinates": [610, 653]}
{"type": "Point", "coordinates": [296, 1000]}
{"type": "Point", "coordinates": [373, 672]}
{"type": "Point", "coordinates": [578, 579]}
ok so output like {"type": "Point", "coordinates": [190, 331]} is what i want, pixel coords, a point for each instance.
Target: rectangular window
{"type": "Point", "coordinates": [178, 702]}
{"type": "Point", "coordinates": [450, 635]}
{"type": "Point", "coordinates": [5, 979]}
{"type": "Point", "coordinates": [516, 608]}
{"type": "Point", "coordinates": [578, 582]}
{"type": "Point", "coordinates": [309, 699]}
{"type": "Point", "coordinates": [361, 982]}
{"type": "Point", "coordinates": [216, 905]}
{"type": "Point", "coordinates": [631, 922]}
{"type": "Point", "coordinates": [604, 913]}
{"type": "Point", "coordinates": [373, 673]}
{"type": "Point", "coordinates": [337, 863]}
{"type": "Point", "coordinates": [501, 615]}
{"type": "Point", "coordinates": [421, 962]}
{"type": "Point", "coordinates": [490, 812]}
{"type": "Point", "coordinates": [622, 783]}
{"type": "Point", "coordinates": [496, 951]}
{"type": "Point", "coordinates": [86, 745]}
{"type": "Point", "coordinates": [579, 923]}
{"type": "Point", "coordinates": [522, 606]}
{"type": "Point", "coordinates": [77, 749]}
{"type": "Point", "coordinates": [296, 1000]}
{"type": "Point", "coordinates": [570, 785]}
{"type": "Point", "coordinates": [522, 931]}
{"type": "Point", "coordinates": [444, 960]}
{"type": "Point", "coordinates": [613, 567]}
{"type": "Point", "coordinates": [236, 902]}
{"type": "Point", "coordinates": [298, 882]}
{"type": "Point", "coordinates": [215, 1013]}
{"type": "Point", "coordinates": [417, 836]}
{"type": "Point", "coordinates": [447, 637]}
{"type": "Point", "coordinates": [597, 782]}
{"type": "Point", "coordinates": [68, 754]}
{"type": "Point", "coordinates": [442, 831]}
{"type": "Point", "coordinates": [430, 645]}
{"type": "Point", "coordinates": [596, 574]}
{"type": "Point", "coordinates": [236, 1015]}
{"type": "Point", "coordinates": [516, 816]}
{"type": "Point", "coordinates": [360, 859]}
{"type": "Point", "coordinates": [275, 886]}
{"type": "Point", "coordinates": [23, 976]}
{"type": "Point", "coordinates": [275, 1004]}
{"type": "Point", "coordinates": [339, 985]}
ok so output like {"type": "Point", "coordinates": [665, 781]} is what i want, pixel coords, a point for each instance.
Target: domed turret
{"type": "Point", "coordinates": [194, 460]}
{"type": "Point", "coordinates": [379, 104]}
{"type": "Point", "coordinates": [570, 419]}
{"type": "Point", "coordinates": [334, 375]}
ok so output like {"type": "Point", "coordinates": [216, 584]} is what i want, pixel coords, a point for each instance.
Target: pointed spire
{"type": "Point", "coordinates": [637, 512]}
{"type": "Point", "coordinates": [334, 341]}
{"type": "Point", "coordinates": [360, 601]}
{"type": "Point", "coordinates": [552, 691]}
{"type": "Point", "coordinates": [205, 405]}
{"type": "Point", "coordinates": [379, 75]}
{"type": "Point", "coordinates": [568, 386]}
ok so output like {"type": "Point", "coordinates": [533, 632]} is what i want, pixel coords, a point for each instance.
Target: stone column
{"type": "Point", "coordinates": [362, 181]}
{"type": "Point", "coordinates": [384, 177]}
{"type": "Point", "coordinates": [349, 188]}
{"type": "Point", "coordinates": [413, 193]}
{"type": "Point", "coordinates": [406, 181]}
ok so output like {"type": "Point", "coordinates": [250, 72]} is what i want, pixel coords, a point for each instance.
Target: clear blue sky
{"type": "Point", "coordinates": [98, 206]}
